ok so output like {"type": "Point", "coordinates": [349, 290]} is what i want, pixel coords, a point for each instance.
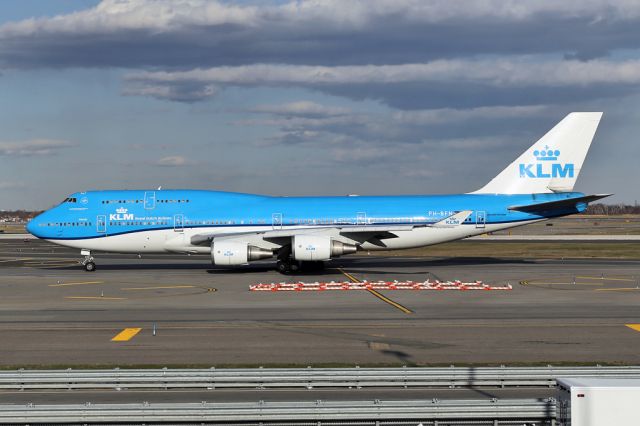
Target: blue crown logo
{"type": "Point", "coordinates": [546, 154]}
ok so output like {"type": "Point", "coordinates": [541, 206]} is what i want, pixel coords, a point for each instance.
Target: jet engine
{"type": "Point", "coordinates": [236, 253]}
{"type": "Point", "coordinates": [319, 247]}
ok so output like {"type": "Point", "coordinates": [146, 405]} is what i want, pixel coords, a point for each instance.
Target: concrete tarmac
{"type": "Point", "coordinates": [53, 313]}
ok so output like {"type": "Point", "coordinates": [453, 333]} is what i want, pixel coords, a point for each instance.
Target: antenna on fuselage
{"type": "Point", "coordinates": [160, 188]}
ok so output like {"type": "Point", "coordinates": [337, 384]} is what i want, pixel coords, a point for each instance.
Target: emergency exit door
{"type": "Point", "coordinates": [101, 224]}
{"type": "Point", "coordinates": [178, 223]}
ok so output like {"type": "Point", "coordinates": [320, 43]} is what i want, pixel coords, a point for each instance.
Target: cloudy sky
{"type": "Point", "coordinates": [308, 97]}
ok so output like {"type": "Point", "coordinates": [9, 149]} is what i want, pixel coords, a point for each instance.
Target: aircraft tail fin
{"type": "Point", "coordinates": [553, 163]}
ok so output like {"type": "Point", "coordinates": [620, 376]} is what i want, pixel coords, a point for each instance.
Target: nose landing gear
{"type": "Point", "coordinates": [88, 263]}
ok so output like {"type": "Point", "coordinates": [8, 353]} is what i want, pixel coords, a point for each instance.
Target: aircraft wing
{"type": "Point", "coordinates": [568, 203]}
{"type": "Point", "coordinates": [358, 233]}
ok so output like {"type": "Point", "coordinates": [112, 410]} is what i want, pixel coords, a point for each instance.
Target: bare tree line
{"type": "Point", "coordinates": [612, 209]}
{"type": "Point", "coordinates": [21, 215]}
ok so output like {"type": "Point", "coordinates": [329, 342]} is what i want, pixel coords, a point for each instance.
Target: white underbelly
{"type": "Point", "coordinates": [426, 236]}
{"type": "Point", "coordinates": [171, 241]}
{"type": "Point", "coordinates": [153, 241]}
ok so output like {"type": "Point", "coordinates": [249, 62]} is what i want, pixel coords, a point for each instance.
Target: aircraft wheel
{"type": "Point", "coordinates": [89, 266]}
{"type": "Point", "coordinates": [283, 267]}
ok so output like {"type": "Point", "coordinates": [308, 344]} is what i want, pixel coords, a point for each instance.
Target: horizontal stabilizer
{"type": "Point", "coordinates": [568, 203]}
{"type": "Point", "coordinates": [453, 220]}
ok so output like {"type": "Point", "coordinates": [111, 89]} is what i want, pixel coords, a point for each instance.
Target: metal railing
{"type": "Point", "coordinates": [264, 378]}
{"type": "Point", "coordinates": [530, 411]}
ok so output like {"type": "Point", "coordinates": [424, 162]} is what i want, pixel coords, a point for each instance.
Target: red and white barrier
{"type": "Point", "coordinates": [377, 285]}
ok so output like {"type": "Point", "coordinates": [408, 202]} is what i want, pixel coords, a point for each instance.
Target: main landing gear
{"type": "Point", "coordinates": [291, 266]}
{"type": "Point", "coordinates": [88, 263]}
{"type": "Point", "coordinates": [287, 266]}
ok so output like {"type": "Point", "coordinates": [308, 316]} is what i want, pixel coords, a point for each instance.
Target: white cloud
{"type": "Point", "coordinates": [447, 115]}
{"type": "Point", "coordinates": [361, 153]}
{"type": "Point", "coordinates": [188, 33]}
{"type": "Point", "coordinates": [33, 147]}
{"type": "Point", "coordinates": [301, 109]}
{"type": "Point", "coordinates": [323, 115]}
{"type": "Point", "coordinates": [173, 161]}
{"type": "Point", "coordinates": [118, 15]}
{"type": "Point", "coordinates": [517, 72]}
{"type": "Point", "coordinates": [179, 93]}
{"type": "Point", "coordinates": [361, 12]}
{"type": "Point", "coordinates": [367, 129]}
{"type": "Point", "coordinates": [177, 15]}
{"type": "Point", "coordinates": [473, 143]}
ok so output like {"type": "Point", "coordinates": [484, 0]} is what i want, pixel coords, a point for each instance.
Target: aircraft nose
{"type": "Point", "coordinates": [32, 226]}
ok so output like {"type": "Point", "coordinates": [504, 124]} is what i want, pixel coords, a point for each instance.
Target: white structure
{"type": "Point", "coordinates": [598, 401]}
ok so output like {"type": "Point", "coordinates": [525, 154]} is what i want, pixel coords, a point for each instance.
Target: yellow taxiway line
{"type": "Point", "coordinates": [607, 279]}
{"type": "Point", "coordinates": [530, 282]}
{"type": "Point", "coordinates": [159, 287]}
{"type": "Point", "coordinates": [618, 289]}
{"type": "Point", "coordinates": [80, 283]}
{"type": "Point", "coordinates": [377, 294]}
{"type": "Point", "coordinates": [389, 301]}
{"type": "Point", "coordinates": [95, 298]}
{"type": "Point", "coordinates": [126, 335]}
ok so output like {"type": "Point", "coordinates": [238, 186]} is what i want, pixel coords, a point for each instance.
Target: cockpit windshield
{"type": "Point", "coordinates": [70, 200]}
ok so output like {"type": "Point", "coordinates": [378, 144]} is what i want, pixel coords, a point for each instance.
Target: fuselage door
{"type": "Point", "coordinates": [178, 223]}
{"type": "Point", "coordinates": [101, 224]}
{"type": "Point", "coordinates": [361, 218]}
{"type": "Point", "coordinates": [276, 220]}
{"type": "Point", "coordinates": [149, 200]}
{"type": "Point", "coordinates": [481, 219]}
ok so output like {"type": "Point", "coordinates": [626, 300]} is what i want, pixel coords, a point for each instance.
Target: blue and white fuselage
{"type": "Point", "coordinates": [237, 228]}
{"type": "Point", "coordinates": [165, 221]}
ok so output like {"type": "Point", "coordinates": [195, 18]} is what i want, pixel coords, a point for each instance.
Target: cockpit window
{"type": "Point", "coordinates": [70, 200]}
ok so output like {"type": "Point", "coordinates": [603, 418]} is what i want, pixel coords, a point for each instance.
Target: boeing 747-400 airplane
{"type": "Point", "coordinates": [236, 229]}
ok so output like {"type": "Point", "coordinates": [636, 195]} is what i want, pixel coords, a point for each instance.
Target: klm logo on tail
{"type": "Point", "coordinates": [546, 166]}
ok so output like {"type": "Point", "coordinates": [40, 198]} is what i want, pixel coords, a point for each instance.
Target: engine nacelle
{"type": "Point", "coordinates": [319, 247]}
{"type": "Point", "coordinates": [236, 253]}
